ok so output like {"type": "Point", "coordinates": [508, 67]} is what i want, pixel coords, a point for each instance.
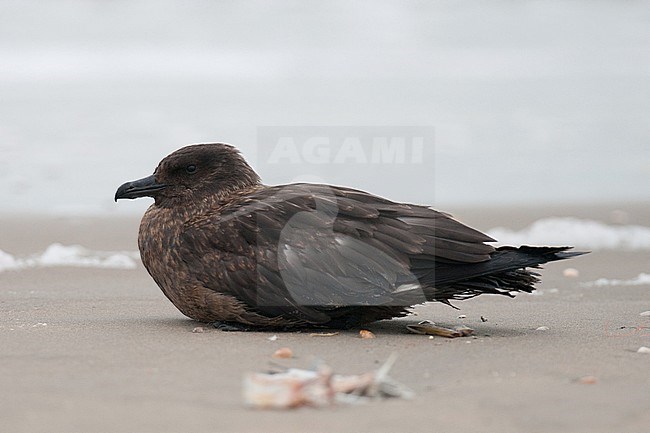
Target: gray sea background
{"type": "Point", "coordinates": [530, 103]}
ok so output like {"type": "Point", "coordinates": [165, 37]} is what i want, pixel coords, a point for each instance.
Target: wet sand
{"type": "Point", "coordinates": [98, 350]}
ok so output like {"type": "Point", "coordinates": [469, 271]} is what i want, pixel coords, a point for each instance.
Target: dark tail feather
{"type": "Point", "coordinates": [526, 256]}
{"type": "Point", "coordinates": [503, 274]}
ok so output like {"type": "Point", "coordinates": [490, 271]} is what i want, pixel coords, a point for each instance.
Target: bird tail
{"type": "Point", "coordinates": [505, 273]}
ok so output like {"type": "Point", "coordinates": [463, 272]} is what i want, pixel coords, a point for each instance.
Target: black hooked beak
{"type": "Point", "coordinates": [146, 187]}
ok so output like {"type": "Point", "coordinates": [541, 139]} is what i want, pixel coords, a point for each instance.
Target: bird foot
{"type": "Point", "coordinates": [427, 327]}
{"type": "Point", "coordinates": [232, 327]}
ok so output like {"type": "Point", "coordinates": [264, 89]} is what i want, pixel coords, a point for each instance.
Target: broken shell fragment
{"type": "Point", "coordinates": [364, 333]}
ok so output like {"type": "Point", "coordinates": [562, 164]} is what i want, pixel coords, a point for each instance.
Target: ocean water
{"type": "Point", "coordinates": [528, 102]}
{"type": "Point", "coordinates": [581, 233]}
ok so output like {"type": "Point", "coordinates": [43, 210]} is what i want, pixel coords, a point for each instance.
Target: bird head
{"type": "Point", "coordinates": [193, 174]}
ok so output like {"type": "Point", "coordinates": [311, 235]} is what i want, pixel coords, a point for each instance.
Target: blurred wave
{"type": "Point", "coordinates": [57, 255]}
{"type": "Point", "coordinates": [581, 233]}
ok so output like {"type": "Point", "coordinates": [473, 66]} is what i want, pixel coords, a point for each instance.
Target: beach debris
{"type": "Point", "coordinates": [484, 319]}
{"type": "Point", "coordinates": [645, 314]}
{"type": "Point", "coordinates": [542, 328]}
{"type": "Point", "coordinates": [427, 327]}
{"type": "Point", "coordinates": [462, 316]}
{"type": "Point", "coordinates": [323, 334]}
{"type": "Point", "coordinates": [364, 333]}
{"type": "Point", "coordinates": [198, 330]}
{"type": "Point", "coordinates": [320, 387]}
{"type": "Point", "coordinates": [643, 349]}
{"type": "Point", "coordinates": [272, 338]}
{"type": "Point", "coordinates": [588, 380]}
{"type": "Point", "coordinates": [283, 353]}
{"type": "Point", "coordinates": [571, 273]}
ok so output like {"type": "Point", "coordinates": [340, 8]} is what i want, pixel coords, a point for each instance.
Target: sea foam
{"type": "Point", "coordinates": [641, 280]}
{"type": "Point", "coordinates": [57, 255]}
{"type": "Point", "coordinates": [581, 233]}
{"type": "Point", "coordinates": [7, 261]}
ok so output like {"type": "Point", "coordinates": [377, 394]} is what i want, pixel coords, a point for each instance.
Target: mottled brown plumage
{"type": "Point", "coordinates": [224, 247]}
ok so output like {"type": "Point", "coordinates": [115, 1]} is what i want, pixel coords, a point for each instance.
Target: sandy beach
{"type": "Point", "coordinates": [102, 350]}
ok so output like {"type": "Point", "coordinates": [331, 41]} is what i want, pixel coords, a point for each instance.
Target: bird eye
{"type": "Point", "coordinates": [191, 169]}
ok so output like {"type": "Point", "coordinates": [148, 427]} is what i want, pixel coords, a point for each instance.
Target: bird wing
{"type": "Point", "coordinates": [306, 249]}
